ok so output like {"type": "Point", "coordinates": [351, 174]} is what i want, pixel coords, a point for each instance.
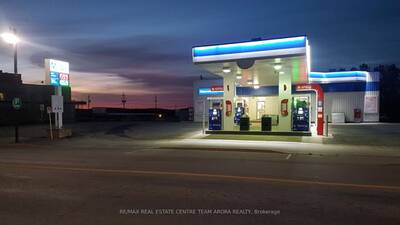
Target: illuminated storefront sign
{"type": "Point", "coordinates": [217, 88]}
{"type": "Point", "coordinates": [57, 72]}
{"type": "Point", "coordinates": [214, 90]}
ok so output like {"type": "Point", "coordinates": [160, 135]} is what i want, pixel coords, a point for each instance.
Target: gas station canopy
{"type": "Point", "coordinates": [257, 62]}
{"type": "Point", "coordinates": [267, 85]}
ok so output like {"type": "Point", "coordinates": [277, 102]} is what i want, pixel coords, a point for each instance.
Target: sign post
{"type": "Point", "coordinates": [57, 107]}
{"type": "Point", "coordinates": [51, 126]}
{"type": "Point", "coordinates": [16, 104]}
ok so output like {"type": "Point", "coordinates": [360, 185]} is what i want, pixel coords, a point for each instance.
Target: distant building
{"type": "Point", "coordinates": [35, 99]}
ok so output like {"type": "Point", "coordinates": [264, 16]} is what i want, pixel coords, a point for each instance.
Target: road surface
{"type": "Point", "coordinates": [108, 178]}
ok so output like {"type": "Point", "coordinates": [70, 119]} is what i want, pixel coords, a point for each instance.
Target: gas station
{"type": "Point", "coordinates": [267, 87]}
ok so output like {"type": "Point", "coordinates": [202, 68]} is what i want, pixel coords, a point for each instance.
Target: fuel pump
{"type": "Point", "coordinates": [239, 111]}
{"type": "Point", "coordinates": [300, 114]}
{"type": "Point", "coordinates": [215, 117]}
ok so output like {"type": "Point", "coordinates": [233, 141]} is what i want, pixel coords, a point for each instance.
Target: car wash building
{"type": "Point", "coordinates": [267, 86]}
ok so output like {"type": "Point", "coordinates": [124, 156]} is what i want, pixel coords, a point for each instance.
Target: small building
{"type": "Point", "coordinates": [34, 98]}
{"type": "Point", "coordinates": [273, 78]}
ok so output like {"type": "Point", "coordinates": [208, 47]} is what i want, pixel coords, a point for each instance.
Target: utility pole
{"type": "Point", "coordinates": [123, 100]}
{"type": "Point", "coordinates": [155, 102]}
{"type": "Point", "coordinates": [88, 101]}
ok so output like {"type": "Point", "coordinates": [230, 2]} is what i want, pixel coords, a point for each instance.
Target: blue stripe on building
{"type": "Point", "coordinates": [333, 87]}
{"type": "Point", "coordinates": [372, 86]}
{"type": "Point", "coordinates": [262, 91]}
{"type": "Point", "coordinates": [338, 74]}
{"type": "Point", "coordinates": [350, 86]}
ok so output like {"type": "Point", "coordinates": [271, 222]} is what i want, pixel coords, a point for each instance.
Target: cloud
{"type": "Point", "coordinates": [139, 66]}
{"type": "Point", "coordinates": [115, 55]}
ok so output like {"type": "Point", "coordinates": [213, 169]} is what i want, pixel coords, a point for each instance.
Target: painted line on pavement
{"type": "Point", "coordinates": [202, 175]}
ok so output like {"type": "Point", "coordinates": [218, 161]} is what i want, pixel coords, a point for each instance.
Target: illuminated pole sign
{"type": "Point", "coordinates": [57, 72]}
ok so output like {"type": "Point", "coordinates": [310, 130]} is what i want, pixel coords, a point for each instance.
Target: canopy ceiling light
{"type": "Point", "coordinates": [226, 70]}
{"type": "Point", "coordinates": [277, 66]}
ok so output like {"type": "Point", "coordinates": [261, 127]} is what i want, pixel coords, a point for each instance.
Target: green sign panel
{"type": "Point", "coordinates": [16, 103]}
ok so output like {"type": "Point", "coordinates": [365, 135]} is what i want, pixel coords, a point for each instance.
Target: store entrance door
{"type": "Point", "coordinates": [260, 109]}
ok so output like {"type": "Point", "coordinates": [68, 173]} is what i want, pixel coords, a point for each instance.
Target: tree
{"type": "Point", "coordinates": [389, 93]}
{"type": "Point", "coordinates": [364, 67]}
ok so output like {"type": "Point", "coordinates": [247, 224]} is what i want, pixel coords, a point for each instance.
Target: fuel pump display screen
{"type": "Point", "coordinates": [214, 113]}
{"type": "Point", "coordinates": [300, 111]}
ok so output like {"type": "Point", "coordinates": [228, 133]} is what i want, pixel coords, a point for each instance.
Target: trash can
{"type": "Point", "coordinates": [266, 123]}
{"type": "Point", "coordinates": [244, 123]}
{"type": "Point", "coordinates": [357, 115]}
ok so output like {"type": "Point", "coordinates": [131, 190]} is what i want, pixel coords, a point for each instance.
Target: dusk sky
{"type": "Point", "coordinates": [143, 48]}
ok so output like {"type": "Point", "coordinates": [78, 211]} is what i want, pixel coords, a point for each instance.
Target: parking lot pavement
{"type": "Point", "coordinates": [133, 130]}
{"type": "Point", "coordinates": [359, 139]}
{"type": "Point", "coordinates": [282, 147]}
{"type": "Point", "coordinates": [379, 139]}
{"type": "Point", "coordinates": [371, 134]}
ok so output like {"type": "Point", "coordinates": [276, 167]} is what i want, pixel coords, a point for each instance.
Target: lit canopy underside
{"type": "Point", "coordinates": [290, 53]}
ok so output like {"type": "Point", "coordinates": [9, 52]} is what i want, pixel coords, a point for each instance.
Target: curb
{"type": "Point", "coordinates": [220, 150]}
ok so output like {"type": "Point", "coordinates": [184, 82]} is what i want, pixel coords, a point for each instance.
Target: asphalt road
{"type": "Point", "coordinates": [110, 178]}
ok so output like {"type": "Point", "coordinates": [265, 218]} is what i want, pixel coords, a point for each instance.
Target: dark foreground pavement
{"type": "Point", "coordinates": [108, 178]}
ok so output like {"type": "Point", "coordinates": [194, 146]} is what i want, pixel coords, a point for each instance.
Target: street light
{"type": "Point", "coordinates": [12, 38]}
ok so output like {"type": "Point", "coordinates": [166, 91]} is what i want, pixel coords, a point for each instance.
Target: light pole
{"type": "Point", "coordinates": [12, 38]}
